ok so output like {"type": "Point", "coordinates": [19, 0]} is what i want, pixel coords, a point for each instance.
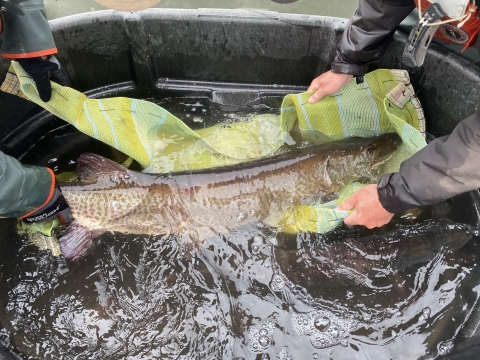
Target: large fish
{"type": "Point", "coordinates": [112, 198]}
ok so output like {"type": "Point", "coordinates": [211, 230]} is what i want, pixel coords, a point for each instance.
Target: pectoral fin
{"type": "Point", "coordinates": [76, 241]}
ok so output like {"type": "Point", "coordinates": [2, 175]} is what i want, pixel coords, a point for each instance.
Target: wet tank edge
{"type": "Point", "coordinates": [210, 52]}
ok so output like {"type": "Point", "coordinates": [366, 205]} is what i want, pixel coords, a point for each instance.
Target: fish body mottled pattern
{"type": "Point", "coordinates": [225, 197]}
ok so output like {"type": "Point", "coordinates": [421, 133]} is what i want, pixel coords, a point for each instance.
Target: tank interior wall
{"type": "Point", "coordinates": [146, 51]}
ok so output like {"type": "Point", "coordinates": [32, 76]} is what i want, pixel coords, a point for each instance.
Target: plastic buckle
{"type": "Point", "coordinates": [421, 36]}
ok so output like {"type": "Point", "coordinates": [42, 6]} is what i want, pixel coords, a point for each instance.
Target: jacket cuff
{"type": "Point", "coordinates": [387, 194]}
{"type": "Point", "coordinates": [343, 66]}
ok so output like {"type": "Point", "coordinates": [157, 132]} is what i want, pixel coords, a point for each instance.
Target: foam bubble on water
{"type": "Point", "coordinates": [425, 314]}
{"type": "Point", "coordinates": [257, 242]}
{"type": "Point", "coordinates": [324, 328]}
{"type": "Point", "coordinates": [273, 240]}
{"type": "Point", "coordinates": [446, 347]}
{"type": "Point", "coordinates": [322, 323]}
{"type": "Point", "coordinates": [283, 354]}
{"type": "Point", "coordinates": [277, 283]}
{"type": "Point", "coordinates": [260, 336]}
{"type": "Point", "coordinates": [241, 216]}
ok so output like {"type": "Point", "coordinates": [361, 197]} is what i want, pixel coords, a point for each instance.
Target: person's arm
{"type": "Point", "coordinates": [363, 41]}
{"type": "Point", "coordinates": [368, 33]}
{"type": "Point", "coordinates": [27, 38]}
{"type": "Point", "coordinates": [446, 167]}
{"type": "Point", "coordinates": [26, 32]}
{"type": "Point", "coordinates": [29, 192]}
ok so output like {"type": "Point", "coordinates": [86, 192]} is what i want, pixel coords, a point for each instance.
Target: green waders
{"type": "Point", "coordinates": [23, 188]}
{"type": "Point", "coordinates": [26, 34]}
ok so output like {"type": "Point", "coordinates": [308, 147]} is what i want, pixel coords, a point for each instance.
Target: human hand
{"type": "Point", "coordinates": [41, 69]}
{"type": "Point", "coordinates": [327, 83]}
{"type": "Point", "coordinates": [367, 209]}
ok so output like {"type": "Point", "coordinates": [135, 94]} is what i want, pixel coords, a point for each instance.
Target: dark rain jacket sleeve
{"type": "Point", "coordinates": [23, 188]}
{"type": "Point", "coordinates": [446, 167]}
{"type": "Point", "coordinates": [26, 32]}
{"type": "Point", "coordinates": [368, 33]}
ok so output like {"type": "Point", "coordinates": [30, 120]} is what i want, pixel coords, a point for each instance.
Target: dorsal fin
{"type": "Point", "coordinates": [92, 166]}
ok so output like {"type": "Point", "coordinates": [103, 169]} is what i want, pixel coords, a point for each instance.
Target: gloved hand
{"type": "Point", "coordinates": [41, 69]}
{"type": "Point", "coordinates": [56, 207]}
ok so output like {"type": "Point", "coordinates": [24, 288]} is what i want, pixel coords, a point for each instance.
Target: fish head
{"type": "Point", "coordinates": [382, 149]}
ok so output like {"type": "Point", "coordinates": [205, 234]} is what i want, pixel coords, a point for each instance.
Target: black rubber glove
{"type": "Point", "coordinates": [57, 206]}
{"type": "Point", "coordinates": [60, 75]}
{"type": "Point", "coordinates": [41, 70]}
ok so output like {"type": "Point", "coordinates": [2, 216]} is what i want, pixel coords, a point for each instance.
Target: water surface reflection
{"type": "Point", "coordinates": [241, 295]}
{"type": "Point", "coordinates": [400, 292]}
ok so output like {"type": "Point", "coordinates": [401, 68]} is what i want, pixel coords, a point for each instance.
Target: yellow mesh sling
{"type": "Point", "coordinates": [160, 142]}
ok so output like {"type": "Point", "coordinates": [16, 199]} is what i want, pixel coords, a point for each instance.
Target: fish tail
{"type": "Point", "coordinates": [76, 241]}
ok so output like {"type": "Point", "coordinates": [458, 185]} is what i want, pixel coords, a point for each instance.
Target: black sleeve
{"type": "Point", "coordinates": [368, 33]}
{"type": "Point", "coordinates": [447, 166]}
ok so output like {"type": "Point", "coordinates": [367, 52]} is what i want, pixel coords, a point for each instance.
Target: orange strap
{"type": "Point", "coordinates": [52, 190]}
{"type": "Point", "coordinates": [31, 54]}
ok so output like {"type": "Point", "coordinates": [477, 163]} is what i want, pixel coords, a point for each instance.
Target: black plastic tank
{"type": "Point", "coordinates": [233, 57]}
